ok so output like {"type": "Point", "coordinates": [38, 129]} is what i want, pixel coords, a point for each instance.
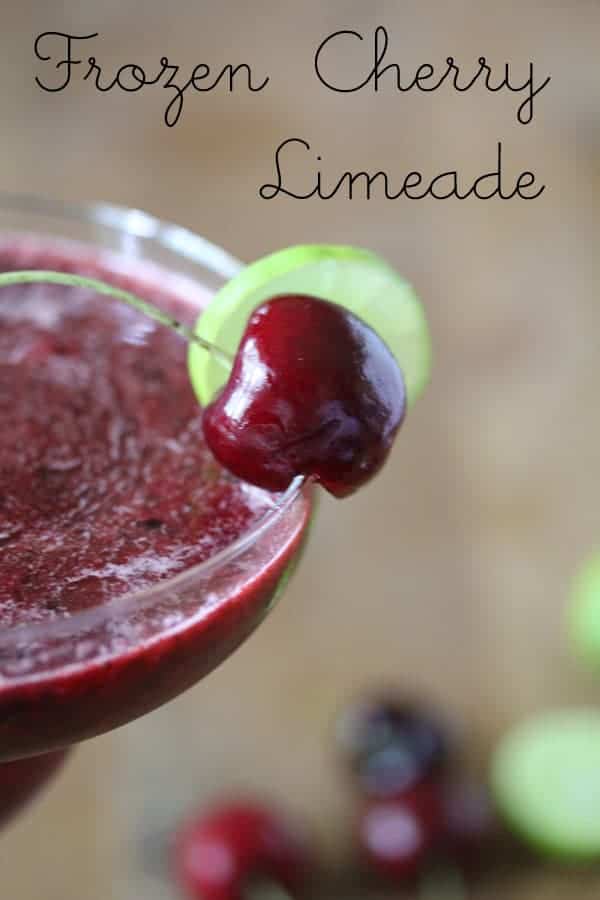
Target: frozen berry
{"type": "Point", "coordinates": [392, 746]}
{"type": "Point", "coordinates": [313, 391]}
{"type": "Point", "coordinates": [221, 854]}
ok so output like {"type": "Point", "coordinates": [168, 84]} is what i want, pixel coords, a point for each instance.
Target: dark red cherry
{"type": "Point", "coordinates": [396, 837]}
{"type": "Point", "coordinates": [313, 391]}
{"type": "Point", "coordinates": [222, 854]}
{"type": "Point", "coordinates": [392, 745]}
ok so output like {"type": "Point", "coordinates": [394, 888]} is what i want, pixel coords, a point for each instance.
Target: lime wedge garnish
{"type": "Point", "coordinates": [357, 279]}
{"type": "Point", "coordinates": [546, 781]}
{"type": "Point", "coordinates": [584, 615]}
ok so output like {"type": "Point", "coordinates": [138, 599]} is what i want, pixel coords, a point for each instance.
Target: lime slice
{"type": "Point", "coordinates": [546, 781]}
{"type": "Point", "coordinates": [584, 615]}
{"type": "Point", "coordinates": [356, 279]}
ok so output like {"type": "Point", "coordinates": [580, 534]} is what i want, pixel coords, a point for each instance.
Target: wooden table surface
{"type": "Point", "coordinates": [448, 578]}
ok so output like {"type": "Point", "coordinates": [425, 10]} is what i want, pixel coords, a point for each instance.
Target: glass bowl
{"type": "Point", "coordinates": [68, 679]}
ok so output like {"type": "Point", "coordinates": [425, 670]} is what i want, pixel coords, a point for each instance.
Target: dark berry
{"type": "Point", "coordinates": [222, 853]}
{"type": "Point", "coordinates": [313, 391]}
{"type": "Point", "coordinates": [392, 746]}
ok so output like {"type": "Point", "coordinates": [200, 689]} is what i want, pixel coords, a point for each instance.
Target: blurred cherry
{"type": "Point", "coordinates": [396, 837]}
{"type": "Point", "coordinates": [227, 852]}
{"type": "Point", "coordinates": [392, 745]}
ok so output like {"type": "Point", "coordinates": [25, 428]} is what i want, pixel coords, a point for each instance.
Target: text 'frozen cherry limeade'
{"type": "Point", "coordinates": [107, 489]}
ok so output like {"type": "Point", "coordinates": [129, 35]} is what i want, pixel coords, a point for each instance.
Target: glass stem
{"type": "Point", "coordinates": [100, 287]}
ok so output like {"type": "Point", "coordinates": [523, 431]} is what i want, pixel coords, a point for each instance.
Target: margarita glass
{"type": "Point", "coordinates": [100, 663]}
{"type": "Point", "coordinates": [21, 780]}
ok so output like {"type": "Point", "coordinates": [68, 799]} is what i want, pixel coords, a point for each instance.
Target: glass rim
{"type": "Point", "coordinates": [183, 242]}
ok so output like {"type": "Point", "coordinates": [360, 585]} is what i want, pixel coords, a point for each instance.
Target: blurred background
{"type": "Point", "coordinates": [447, 578]}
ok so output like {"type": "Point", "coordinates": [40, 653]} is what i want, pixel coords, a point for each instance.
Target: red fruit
{"type": "Point", "coordinates": [22, 779]}
{"type": "Point", "coordinates": [313, 391]}
{"type": "Point", "coordinates": [221, 853]}
{"type": "Point", "coordinates": [396, 837]}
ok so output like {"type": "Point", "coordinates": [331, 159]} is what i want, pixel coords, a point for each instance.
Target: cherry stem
{"type": "Point", "coordinates": [266, 890]}
{"type": "Point", "coordinates": [100, 287]}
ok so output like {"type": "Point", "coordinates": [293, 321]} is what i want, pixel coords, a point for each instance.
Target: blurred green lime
{"type": "Point", "coordinates": [546, 782]}
{"type": "Point", "coordinates": [583, 618]}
